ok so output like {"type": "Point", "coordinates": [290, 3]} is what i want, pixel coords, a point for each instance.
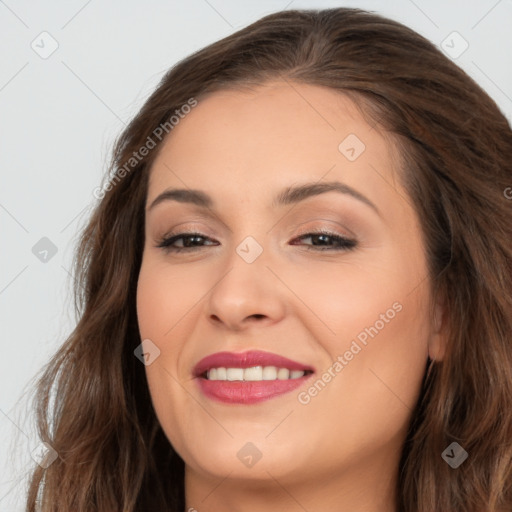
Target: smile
{"type": "Point", "coordinates": [248, 377]}
{"type": "Point", "coordinates": [254, 373]}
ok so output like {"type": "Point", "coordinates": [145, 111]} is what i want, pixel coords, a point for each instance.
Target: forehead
{"type": "Point", "coordinates": [270, 136]}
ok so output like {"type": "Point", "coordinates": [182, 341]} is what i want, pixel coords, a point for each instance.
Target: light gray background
{"type": "Point", "coordinates": [59, 116]}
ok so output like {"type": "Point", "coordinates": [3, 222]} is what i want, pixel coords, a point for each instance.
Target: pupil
{"type": "Point", "coordinates": [195, 240]}
{"type": "Point", "coordinates": [321, 237]}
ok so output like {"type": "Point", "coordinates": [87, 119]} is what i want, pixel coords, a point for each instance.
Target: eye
{"type": "Point", "coordinates": [321, 241]}
{"type": "Point", "coordinates": [325, 239]}
{"type": "Point", "coordinates": [190, 241]}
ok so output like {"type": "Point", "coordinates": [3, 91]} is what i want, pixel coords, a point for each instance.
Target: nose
{"type": "Point", "coordinates": [246, 294]}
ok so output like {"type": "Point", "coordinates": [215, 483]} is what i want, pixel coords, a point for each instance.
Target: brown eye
{"type": "Point", "coordinates": [190, 241]}
{"type": "Point", "coordinates": [328, 241]}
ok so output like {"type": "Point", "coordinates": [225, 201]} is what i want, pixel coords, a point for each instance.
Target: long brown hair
{"type": "Point", "coordinates": [455, 149]}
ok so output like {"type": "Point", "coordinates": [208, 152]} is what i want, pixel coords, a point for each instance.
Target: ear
{"type": "Point", "coordinates": [439, 338]}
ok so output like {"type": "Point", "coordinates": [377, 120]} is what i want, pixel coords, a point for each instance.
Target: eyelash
{"type": "Point", "coordinates": [346, 244]}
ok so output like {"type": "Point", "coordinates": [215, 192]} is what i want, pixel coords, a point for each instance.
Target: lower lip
{"type": "Point", "coordinates": [248, 392]}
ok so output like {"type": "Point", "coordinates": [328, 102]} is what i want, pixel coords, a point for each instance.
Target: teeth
{"type": "Point", "coordinates": [235, 373]}
{"type": "Point", "coordinates": [283, 374]}
{"type": "Point", "coordinates": [254, 373]}
{"type": "Point", "coordinates": [269, 373]}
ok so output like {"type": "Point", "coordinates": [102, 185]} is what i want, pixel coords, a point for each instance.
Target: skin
{"type": "Point", "coordinates": [340, 451]}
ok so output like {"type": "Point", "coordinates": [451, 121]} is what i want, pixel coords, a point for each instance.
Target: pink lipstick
{"type": "Point", "coordinates": [249, 377]}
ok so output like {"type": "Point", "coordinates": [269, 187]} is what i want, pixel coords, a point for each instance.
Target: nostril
{"type": "Point", "coordinates": [258, 316]}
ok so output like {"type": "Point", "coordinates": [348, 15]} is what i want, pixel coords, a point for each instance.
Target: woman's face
{"type": "Point", "coordinates": [255, 278]}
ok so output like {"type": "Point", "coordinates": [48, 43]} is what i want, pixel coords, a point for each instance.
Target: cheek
{"type": "Point", "coordinates": [165, 296]}
{"type": "Point", "coordinates": [347, 297]}
{"type": "Point", "coordinates": [165, 302]}
{"type": "Point", "coordinates": [374, 316]}
{"type": "Point", "coordinates": [371, 393]}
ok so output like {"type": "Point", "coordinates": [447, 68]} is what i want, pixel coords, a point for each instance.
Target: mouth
{"type": "Point", "coordinates": [254, 373]}
{"type": "Point", "coordinates": [248, 377]}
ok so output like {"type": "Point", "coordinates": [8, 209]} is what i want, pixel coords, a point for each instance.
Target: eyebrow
{"type": "Point", "coordinates": [289, 195]}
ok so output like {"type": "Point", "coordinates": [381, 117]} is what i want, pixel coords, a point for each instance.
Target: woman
{"type": "Point", "coordinates": [296, 289]}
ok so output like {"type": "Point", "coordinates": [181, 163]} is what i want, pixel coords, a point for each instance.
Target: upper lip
{"type": "Point", "coordinates": [246, 359]}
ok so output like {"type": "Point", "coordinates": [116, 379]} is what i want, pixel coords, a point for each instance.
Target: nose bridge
{"type": "Point", "coordinates": [249, 249]}
{"type": "Point", "coordinates": [247, 288]}
{"type": "Point", "coordinates": [246, 275]}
